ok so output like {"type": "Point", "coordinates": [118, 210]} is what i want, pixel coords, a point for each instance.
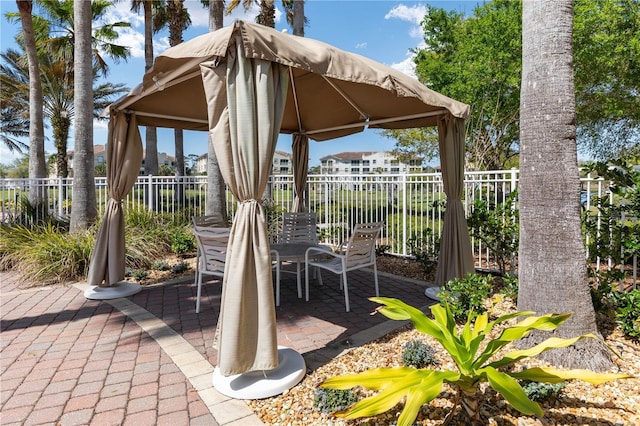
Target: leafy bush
{"type": "Point", "coordinates": [510, 288]}
{"type": "Point", "coordinates": [182, 242]}
{"type": "Point", "coordinates": [179, 267]}
{"type": "Point", "coordinates": [425, 247]}
{"type": "Point", "coordinates": [160, 265]}
{"type": "Point", "coordinates": [539, 391]}
{"type": "Point", "coordinates": [465, 296]}
{"type": "Point", "coordinates": [140, 275]}
{"type": "Point", "coordinates": [418, 354]}
{"type": "Point", "coordinates": [627, 308]}
{"type": "Point", "coordinates": [331, 400]}
{"type": "Point", "coordinates": [476, 363]}
{"type": "Point", "coordinates": [498, 228]}
{"type": "Point", "coordinates": [382, 249]}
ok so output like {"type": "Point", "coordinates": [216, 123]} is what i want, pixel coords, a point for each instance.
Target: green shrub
{"type": "Point", "coordinates": [540, 391]}
{"type": "Point", "coordinates": [46, 253]}
{"type": "Point", "coordinates": [331, 400]}
{"type": "Point", "coordinates": [382, 249]}
{"type": "Point", "coordinates": [418, 354]}
{"type": "Point", "coordinates": [627, 309]}
{"type": "Point", "coordinates": [510, 288]}
{"type": "Point", "coordinates": [140, 275]}
{"type": "Point", "coordinates": [179, 267]}
{"type": "Point", "coordinates": [498, 228]}
{"type": "Point", "coordinates": [182, 242]}
{"type": "Point", "coordinates": [476, 360]}
{"type": "Point", "coordinates": [425, 247]}
{"type": "Point", "coordinates": [160, 265]}
{"type": "Point", "coordinates": [466, 296]}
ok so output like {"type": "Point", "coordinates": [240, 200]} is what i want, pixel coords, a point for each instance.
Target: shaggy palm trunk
{"type": "Point", "coordinates": [216, 204]}
{"type": "Point", "coordinates": [83, 209]}
{"type": "Point", "coordinates": [552, 269]}
{"type": "Point", "coordinates": [37, 163]}
{"type": "Point", "coordinates": [151, 134]}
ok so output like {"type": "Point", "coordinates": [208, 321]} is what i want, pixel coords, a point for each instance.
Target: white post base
{"type": "Point", "coordinates": [263, 384]}
{"type": "Point", "coordinates": [115, 291]}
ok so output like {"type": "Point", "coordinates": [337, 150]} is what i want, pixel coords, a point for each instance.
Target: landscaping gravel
{"type": "Point", "coordinates": [579, 403]}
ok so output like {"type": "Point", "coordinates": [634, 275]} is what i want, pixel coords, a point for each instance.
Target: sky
{"type": "Point", "coordinates": [385, 31]}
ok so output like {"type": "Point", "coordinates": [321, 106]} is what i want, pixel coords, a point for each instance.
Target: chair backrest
{"type": "Point", "coordinates": [362, 244]}
{"type": "Point", "coordinates": [212, 243]}
{"type": "Point", "coordinates": [203, 222]}
{"type": "Point", "coordinates": [299, 228]}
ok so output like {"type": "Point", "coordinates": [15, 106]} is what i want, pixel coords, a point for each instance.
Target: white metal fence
{"type": "Point", "coordinates": [411, 205]}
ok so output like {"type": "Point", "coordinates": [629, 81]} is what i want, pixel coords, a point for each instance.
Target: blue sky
{"type": "Point", "coordinates": [382, 30]}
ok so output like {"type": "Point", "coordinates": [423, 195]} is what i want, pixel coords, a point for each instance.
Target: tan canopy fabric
{"type": "Point", "coordinates": [246, 100]}
{"type": "Point", "coordinates": [330, 93]}
{"type": "Point", "coordinates": [456, 257]}
{"type": "Point", "coordinates": [124, 157]}
{"type": "Point", "coordinates": [300, 169]}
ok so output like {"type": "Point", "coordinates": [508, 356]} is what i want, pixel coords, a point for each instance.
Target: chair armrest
{"type": "Point", "coordinates": [320, 250]}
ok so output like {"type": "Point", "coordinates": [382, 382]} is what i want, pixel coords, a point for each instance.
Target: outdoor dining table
{"type": "Point", "coordinates": [294, 253]}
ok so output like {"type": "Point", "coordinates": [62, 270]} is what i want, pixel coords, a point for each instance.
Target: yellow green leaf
{"type": "Point", "coordinates": [555, 375]}
{"type": "Point", "coordinates": [511, 390]}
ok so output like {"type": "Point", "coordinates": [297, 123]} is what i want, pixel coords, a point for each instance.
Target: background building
{"type": "Point", "coordinates": [368, 162]}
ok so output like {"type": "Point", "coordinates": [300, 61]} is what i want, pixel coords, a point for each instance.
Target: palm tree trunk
{"type": "Point", "coordinates": [151, 134]}
{"type": "Point", "coordinates": [216, 204]}
{"type": "Point", "coordinates": [552, 269]}
{"type": "Point", "coordinates": [83, 209]}
{"type": "Point", "coordinates": [37, 163]}
{"type": "Point", "coordinates": [298, 18]}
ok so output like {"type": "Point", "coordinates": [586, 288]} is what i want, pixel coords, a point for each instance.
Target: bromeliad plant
{"type": "Point", "coordinates": [420, 386]}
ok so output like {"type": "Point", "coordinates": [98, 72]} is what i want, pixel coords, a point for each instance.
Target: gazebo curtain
{"type": "Point", "coordinates": [300, 169]}
{"type": "Point", "coordinates": [124, 157]}
{"type": "Point", "coordinates": [246, 102]}
{"type": "Point", "coordinates": [456, 256]}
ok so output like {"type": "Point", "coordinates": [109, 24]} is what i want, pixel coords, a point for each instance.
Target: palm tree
{"type": "Point", "coordinates": [267, 15]}
{"type": "Point", "coordinates": [552, 272]}
{"type": "Point", "coordinates": [151, 134]}
{"type": "Point", "coordinates": [216, 205]}
{"type": "Point", "coordinates": [294, 9]}
{"type": "Point", "coordinates": [173, 14]}
{"type": "Point", "coordinates": [37, 163]}
{"type": "Point", "coordinates": [83, 209]}
{"type": "Point", "coordinates": [14, 111]}
{"type": "Point", "coordinates": [57, 96]}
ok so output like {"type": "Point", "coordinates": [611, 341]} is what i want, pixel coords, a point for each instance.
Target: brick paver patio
{"type": "Point", "coordinates": [147, 359]}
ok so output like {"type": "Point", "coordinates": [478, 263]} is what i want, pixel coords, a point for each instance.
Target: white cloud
{"type": "Point", "coordinates": [7, 157]}
{"type": "Point", "coordinates": [413, 15]}
{"type": "Point", "coordinates": [408, 66]}
{"type": "Point", "coordinates": [361, 45]}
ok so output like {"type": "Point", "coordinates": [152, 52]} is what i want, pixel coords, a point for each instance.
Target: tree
{"type": "Point", "coordinates": [476, 60]}
{"type": "Point", "coordinates": [37, 164]}
{"type": "Point", "coordinates": [294, 10]}
{"type": "Point", "coordinates": [57, 96]}
{"type": "Point", "coordinates": [551, 260]}
{"type": "Point", "coordinates": [607, 70]}
{"type": "Point", "coordinates": [151, 134]}
{"type": "Point", "coordinates": [83, 209]}
{"type": "Point", "coordinates": [216, 205]}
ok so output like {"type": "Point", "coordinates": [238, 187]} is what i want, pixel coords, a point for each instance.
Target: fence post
{"type": "Point", "coordinates": [60, 200]}
{"type": "Point", "coordinates": [150, 192]}
{"type": "Point", "coordinates": [404, 214]}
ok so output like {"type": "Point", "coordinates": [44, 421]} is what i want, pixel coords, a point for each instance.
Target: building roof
{"type": "Point", "coordinates": [350, 155]}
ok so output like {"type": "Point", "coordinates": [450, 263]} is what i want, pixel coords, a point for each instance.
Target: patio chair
{"type": "Point", "coordinates": [212, 253]}
{"type": "Point", "coordinates": [359, 253]}
{"type": "Point", "coordinates": [298, 234]}
{"type": "Point", "coordinates": [200, 224]}
{"type": "Point", "coordinates": [299, 227]}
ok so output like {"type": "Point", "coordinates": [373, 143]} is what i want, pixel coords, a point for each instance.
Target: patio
{"type": "Point", "coordinates": [147, 359]}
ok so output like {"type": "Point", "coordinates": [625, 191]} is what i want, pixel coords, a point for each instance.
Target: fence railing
{"type": "Point", "coordinates": [411, 205]}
